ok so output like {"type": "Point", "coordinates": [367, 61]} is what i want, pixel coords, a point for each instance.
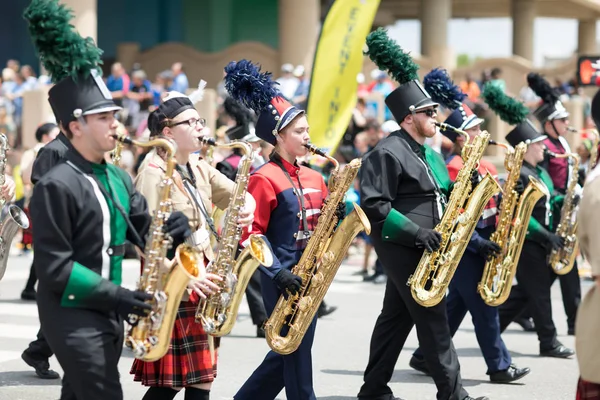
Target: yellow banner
{"type": "Point", "coordinates": [338, 60]}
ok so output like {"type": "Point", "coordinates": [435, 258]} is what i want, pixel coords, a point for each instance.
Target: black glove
{"type": "Point", "coordinates": [475, 178]}
{"type": "Point", "coordinates": [576, 199]}
{"type": "Point", "coordinates": [428, 239]}
{"type": "Point", "coordinates": [555, 242]}
{"type": "Point", "coordinates": [519, 187]}
{"type": "Point", "coordinates": [340, 212]}
{"type": "Point", "coordinates": [132, 302]}
{"type": "Point", "coordinates": [178, 227]}
{"type": "Point", "coordinates": [488, 249]}
{"type": "Point", "coordinates": [287, 282]}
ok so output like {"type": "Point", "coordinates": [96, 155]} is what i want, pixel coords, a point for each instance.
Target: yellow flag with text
{"type": "Point", "coordinates": [338, 60]}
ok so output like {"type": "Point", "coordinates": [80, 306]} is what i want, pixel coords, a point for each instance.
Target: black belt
{"type": "Point", "coordinates": [116, 251]}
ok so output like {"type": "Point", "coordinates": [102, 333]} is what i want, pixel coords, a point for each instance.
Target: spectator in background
{"type": "Point", "coordinates": [471, 89]}
{"type": "Point", "coordinates": [180, 80]}
{"type": "Point", "coordinates": [14, 65]}
{"type": "Point", "coordinates": [141, 96]}
{"type": "Point", "coordinates": [496, 79]}
{"type": "Point", "coordinates": [381, 84]}
{"type": "Point", "coordinates": [118, 83]}
{"type": "Point", "coordinates": [31, 81]}
{"type": "Point", "coordinates": [301, 94]}
{"type": "Point", "coordinates": [528, 96]}
{"type": "Point", "coordinates": [288, 83]}
{"type": "Point", "coordinates": [161, 82]}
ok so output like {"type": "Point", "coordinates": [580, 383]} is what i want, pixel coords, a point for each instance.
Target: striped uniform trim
{"type": "Point", "coordinates": [106, 235]}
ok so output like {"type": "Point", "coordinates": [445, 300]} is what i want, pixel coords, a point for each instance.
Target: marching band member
{"type": "Point", "coordinates": [191, 361]}
{"type": "Point", "coordinates": [404, 186]}
{"type": "Point", "coordinates": [533, 272]}
{"type": "Point", "coordinates": [289, 198]}
{"type": "Point", "coordinates": [554, 119]}
{"type": "Point", "coordinates": [463, 295]}
{"type": "Point", "coordinates": [588, 323]}
{"type": "Point", "coordinates": [83, 210]}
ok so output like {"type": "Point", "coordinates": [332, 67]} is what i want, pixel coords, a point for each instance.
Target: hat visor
{"type": "Point", "coordinates": [472, 123]}
{"type": "Point", "coordinates": [289, 117]}
{"type": "Point", "coordinates": [537, 139]}
{"type": "Point", "coordinates": [102, 110]}
{"type": "Point", "coordinates": [425, 104]}
{"type": "Point", "coordinates": [558, 115]}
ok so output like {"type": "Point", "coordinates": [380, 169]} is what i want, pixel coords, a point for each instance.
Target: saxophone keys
{"type": "Point", "coordinates": [305, 303]}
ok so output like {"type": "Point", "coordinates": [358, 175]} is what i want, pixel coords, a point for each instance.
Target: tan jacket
{"type": "Point", "coordinates": [214, 187]}
{"type": "Point", "coordinates": [587, 328]}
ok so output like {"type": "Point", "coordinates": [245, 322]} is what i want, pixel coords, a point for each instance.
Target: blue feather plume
{"type": "Point", "coordinates": [442, 90]}
{"type": "Point", "coordinates": [246, 84]}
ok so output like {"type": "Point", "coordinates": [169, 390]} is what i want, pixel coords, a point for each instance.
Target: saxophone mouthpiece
{"type": "Point", "coordinates": [206, 140]}
{"type": "Point", "coordinates": [315, 150]}
{"type": "Point", "coordinates": [123, 139]}
{"type": "Point", "coordinates": [571, 129]}
{"type": "Point", "coordinates": [550, 153]}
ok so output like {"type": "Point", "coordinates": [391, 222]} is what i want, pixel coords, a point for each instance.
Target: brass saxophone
{"type": "Point", "coordinates": [435, 270]}
{"type": "Point", "coordinates": [149, 337]}
{"type": "Point", "coordinates": [593, 150]}
{"type": "Point", "coordinates": [116, 153]}
{"type": "Point", "coordinates": [218, 312]}
{"type": "Point", "coordinates": [12, 218]}
{"type": "Point", "coordinates": [319, 262]}
{"type": "Point", "coordinates": [562, 260]}
{"type": "Point", "coordinates": [515, 211]}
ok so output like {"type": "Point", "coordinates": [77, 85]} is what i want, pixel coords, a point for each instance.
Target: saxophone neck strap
{"type": "Point", "coordinates": [189, 182]}
{"type": "Point", "coordinates": [299, 192]}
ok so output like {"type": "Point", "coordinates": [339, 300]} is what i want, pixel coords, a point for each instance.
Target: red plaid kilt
{"type": "Point", "coordinates": [188, 361]}
{"type": "Point", "coordinates": [587, 390]}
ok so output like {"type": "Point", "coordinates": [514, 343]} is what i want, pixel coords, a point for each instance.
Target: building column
{"type": "Point", "coordinates": [298, 29]}
{"type": "Point", "coordinates": [523, 16]}
{"type": "Point", "coordinates": [586, 43]}
{"type": "Point", "coordinates": [435, 15]}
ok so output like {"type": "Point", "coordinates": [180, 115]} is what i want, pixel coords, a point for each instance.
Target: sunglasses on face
{"type": "Point", "coordinates": [192, 122]}
{"type": "Point", "coordinates": [430, 112]}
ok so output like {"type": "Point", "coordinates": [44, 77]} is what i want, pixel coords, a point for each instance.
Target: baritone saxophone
{"type": "Point", "coordinates": [218, 312]}
{"type": "Point", "coordinates": [319, 262]}
{"type": "Point", "coordinates": [435, 270]}
{"type": "Point", "coordinates": [515, 211]}
{"type": "Point", "coordinates": [149, 337]}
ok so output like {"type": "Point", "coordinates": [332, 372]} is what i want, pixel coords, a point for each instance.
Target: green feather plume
{"type": "Point", "coordinates": [508, 109]}
{"type": "Point", "coordinates": [389, 56]}
{"type": "Point", "coordinates": [61, 49]}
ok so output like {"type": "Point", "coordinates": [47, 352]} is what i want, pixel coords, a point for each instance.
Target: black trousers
{"type": "Point", "coordinates": [31, 281]}
{"type": "Point", "coordinates": [570, 287]}
{"type": "Point", "coordinates": [88, 346]}
{"type": "Point", "coordinates": [39, 348]}
{"type": "Point", "coordinates": [255, 300]}
{"type": "Point", "coordinates": [535, 278]}
{"type": "Point", "coordinates": [400, 312]}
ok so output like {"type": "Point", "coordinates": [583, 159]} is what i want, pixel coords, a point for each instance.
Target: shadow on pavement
{"type": "Point", "coordinates": [25, 378]}
{"type": "Point", "coordinates": [403, 376]}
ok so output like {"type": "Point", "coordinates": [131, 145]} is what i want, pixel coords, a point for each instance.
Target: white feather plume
{"type": "Point", "coordinates": [198, 94]}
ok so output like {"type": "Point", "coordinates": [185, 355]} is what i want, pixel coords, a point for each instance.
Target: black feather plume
{"type": "Point", "coordinates": [246, 84]}
{"type": "Point", "coordinates": [61, 49]}
{"type": "Point", "coordinates": [508, 109]}
{"type": "Point", "coordinates": [542, 88]}
{"type": "Point", "coordinates": [389, 56]}
{"type": "Point", "coordinates": [442, 90]}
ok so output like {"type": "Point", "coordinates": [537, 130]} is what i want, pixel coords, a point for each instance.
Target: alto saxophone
{"type": "Point", "coordinates": [218, 312]}
{"type": "Point", "coordinates": [435, 270]}
{"type": "Point", "coordinates": [319, 262]}
{"type": "Point", "coordinates": [116, 153]}
{"type": "Point", "coordinates": [149, 337]}
{"type": "Point", "coordinates": [562, 260]}
{"type": "Point", "coordinates": [12, 218]}
{"type": "Point", "coordinates": [594, 150]}
{"type": "Point", "coordinates": [515, 211]}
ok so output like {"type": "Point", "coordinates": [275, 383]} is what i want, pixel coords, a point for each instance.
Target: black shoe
{"type": "Point", "coordinates": [260, 331]}
{"type": "Point", "coordinates": [42, 367]}
{"type": "Point", "coordinates": [419, 365]}
{"type": "Point", "coordinates": [323, 311]}
{"type": "Point", "coordinates": [29, 295]}
{"type": "Point", "coordinates": [571, 332]}
{"type": "Point", "coordinates": [509, 375]}
{"type": "Point", "coordinates": [526, 323]}
{"type": "Point", "coordinates": [559, 351]}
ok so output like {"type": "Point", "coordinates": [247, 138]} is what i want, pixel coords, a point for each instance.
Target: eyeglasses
{"type": "Point", "coordinates": [430, 112]}
{"type": "Point", "coordinates": [192, 122]}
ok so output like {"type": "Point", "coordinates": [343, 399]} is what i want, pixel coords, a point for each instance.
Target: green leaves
{"type": "Point", "coordinates": [389, 56]}
{"type": "Point", "coordinates": [62, 51]}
